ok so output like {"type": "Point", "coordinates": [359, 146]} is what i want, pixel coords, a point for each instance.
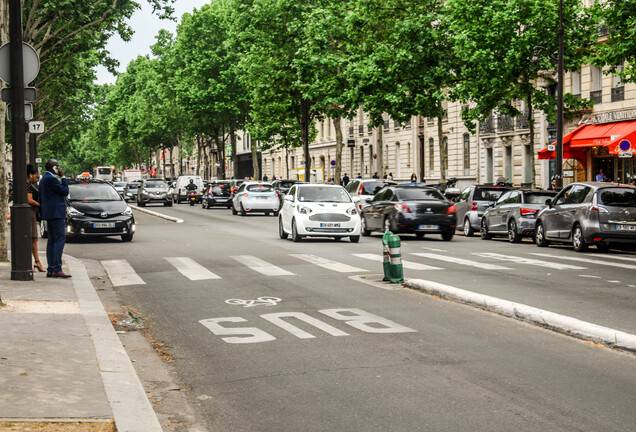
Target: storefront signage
{"type": "Point", "coordinates": [613, 116]}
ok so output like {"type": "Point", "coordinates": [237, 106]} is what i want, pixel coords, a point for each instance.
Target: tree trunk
{"type": "Point", "coordinates": [286, 149]}
{"type": "Point", "coordinates": [4, 189]}
{"type": "Point", "coordinates": [380, 158]}
{"type": "Point", "coordinates": [336, 123]}
{"type": "Point", "coordinates": [199, 157]}
{"type": "Point", "coordinates": [304, 124]}
{"type": "Point", "coordinates": [443, 152]}
{"type": "Point", "coordinates": [235, 165]}
{"type": "Point", "coordinates": [531, 129]}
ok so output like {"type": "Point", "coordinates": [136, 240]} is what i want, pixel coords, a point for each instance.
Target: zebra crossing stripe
{"type": "Point", "coordinates": [461, 261]}
{"type": "Point", "coordinates": [588, 260]}
{"type": "Point", "coordinates": [529, 261]}
{"type": "Point", "coordinates": [614, 257]}
{"type": "Point", "coordinates": [121, 273]}
{"type": "Point", "coordinates": [328, 264]}
{"type": "Point", "coordinates": [191, 269]}
{"type": "Point", "coordinates": [261, 266]}
{"type": "Point", "coordinates": [406, 264]}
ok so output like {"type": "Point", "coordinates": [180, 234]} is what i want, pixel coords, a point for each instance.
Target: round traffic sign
{"type": "Point", "coordinates": [333, 163]}
{"type": "Point", "coordinates": [30, 60]}
{"type": "Point", "coordinates": [625, 145]}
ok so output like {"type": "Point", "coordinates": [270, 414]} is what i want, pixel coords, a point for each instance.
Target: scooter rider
{"type": "Point", "coordinates": [191, 186]}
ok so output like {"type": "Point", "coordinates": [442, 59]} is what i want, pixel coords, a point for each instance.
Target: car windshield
{"type": "Point", "coordinates": [103, 170]}
{"type": "Point", "coordinates": [92, 192]}
{"type": "Point", "coordinates": [323, 194]}
{"type": "Point", "coordinates": [133, 185]}
{"type": "Point", "coordinates": [538, 198]}
{"type": "Point", "coordinates": [286, 184]}
{"type": "Point", "coordinates": [156, 185]}
{"type": "Point", "coordinates": [417, 194]}
{"type": "Point", "coordinates": [488, 194]}
{"type": "Point", "coordinates": [619, 197]}
{"type": "Point", "coordinates": [372, 187]}
{"type": "Point", "coordinates": [260, 188]}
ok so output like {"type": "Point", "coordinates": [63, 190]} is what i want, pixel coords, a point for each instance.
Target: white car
{"type": "Point", "coordinates": [255, 197]}
{"type": "Point", "coordinates": [318, 210]}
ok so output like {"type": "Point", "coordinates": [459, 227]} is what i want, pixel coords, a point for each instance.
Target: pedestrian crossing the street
{"type": "Point", "coordinates": [122, 273]}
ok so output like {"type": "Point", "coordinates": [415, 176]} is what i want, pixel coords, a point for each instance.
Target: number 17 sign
{"type": "Point", "coordinates": [36, 127]}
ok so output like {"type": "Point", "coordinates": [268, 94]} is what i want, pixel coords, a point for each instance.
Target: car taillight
{"type": "Point", "coordinates": [599, 209]}
{"type": "Point", "coordinates": [276, 195]}
{"type": "Point", "coordinates": [527, 212]}
{"type": "Point", "coordinates": [402, 208]}
{"type": "Point", "coordinates": [360, 189]}
{"type": "Point", "coordinates": [245, 194]}
{"type": "Point", "coordinates": [452, 209]}
{"type": "Point", "coordinates": [474, 206]}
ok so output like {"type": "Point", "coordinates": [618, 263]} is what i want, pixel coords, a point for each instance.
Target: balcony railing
{"type": "Point", "coordinates": [486, 127]}
{"type": "Point", "coordinates": [618, 94]}
{"type": "Point", "coordinates": [522, 121]}
{"type": "Point", "coordinates": [505, 123]}
{"type": "Point", "coordinates": [596, 96]}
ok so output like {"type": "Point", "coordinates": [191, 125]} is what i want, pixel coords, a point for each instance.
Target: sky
{"type": "Point", "coordinates": [146, 26]}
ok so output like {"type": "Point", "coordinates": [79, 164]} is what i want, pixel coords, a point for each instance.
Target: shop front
{"type": "Point", "coordinates": [600, 149]}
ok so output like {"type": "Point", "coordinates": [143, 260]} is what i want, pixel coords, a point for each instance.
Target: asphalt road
{"type": "Point", "coordinates": [332, 348]}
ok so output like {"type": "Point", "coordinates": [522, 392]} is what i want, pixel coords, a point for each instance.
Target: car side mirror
{"type": "Point", "coordinates": [548, 202]}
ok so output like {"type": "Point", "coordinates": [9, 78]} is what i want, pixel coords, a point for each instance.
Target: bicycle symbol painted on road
{"type": "Point", "coordinates": [261, 301]}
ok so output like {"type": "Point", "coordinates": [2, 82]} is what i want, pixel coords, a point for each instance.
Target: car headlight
{"type": "Point", "coordinates": [72, 211]}
{"type": "Point", "coordinates": [127, 212]}
{"type": "Point", "coordinates": [304, 210]}
{"type": "Point", "coordinates": [352, 210]}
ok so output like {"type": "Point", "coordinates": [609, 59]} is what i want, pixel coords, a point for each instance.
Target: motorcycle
{"type": "Point", "coordinates": [192, 197]}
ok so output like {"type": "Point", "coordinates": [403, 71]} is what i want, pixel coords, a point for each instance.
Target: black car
{"type": "Point", "coordinates": [94, 208]}
{"type": "Point", "coordinates": [217, 193]}
{"type": "Point", "coordinates": [154, 191]}
{"type": "Point", "coordinates": [409, 209]}
{"type": "Point", "coordinates": [283, 186]}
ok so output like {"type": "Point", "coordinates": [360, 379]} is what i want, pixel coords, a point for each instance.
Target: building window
{"type": "Point", "coordinates": [431, 155]}
{"type": "Point", "coordinates": [508, 158]}
{"type": "Point", "coordinates": [575, 79]}
{"type": "Point", "coordinates": [292, 162]}
{"type": "Point", "coordinates": [618, 87]}
{"type": "Point", "coordinates": [408, 154]}
{"type": "Point", "coordinates": [596, 91]}
{"type": "Point", "coordinates": [398, 156]}
{"type": "Point", "coordinates": [466, 154]}
{"type": "Point", "coordinates": [362, 167]}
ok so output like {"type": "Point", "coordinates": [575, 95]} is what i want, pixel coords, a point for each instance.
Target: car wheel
{"type": "Point", "coordinates": [127, 237]}
{"type": "Point", "coordinates": [243, 212]}
{"type": "Point", "coordinates": [468, 229]}
{"type": "Point", "coordinates": [419, 235]}
{"type": "Point", "coordinates": [386, 224]}
{"type": "Point", "coordinates": [539, 236]}
{"type": "Point", "coordinates": [169, 204]}
{"type": "Point", "coordinates": [354, 239]}
{"type": "Point", "coordinates": [484, 230]}
{"type": "Point", "coordinates": [295, 237]}
{"type": "Point", "coordinates": [513, 235]}
{"type": "Point", "coordinates": [44, 232]}
{"type": "Point", "coordinates": [281, 232]}
{"type": "Point", "coordinates": [447, 235]}
{"type": "Point", "coordinates": [363, 227]}
{"type": "Point", "coordinates": [578, 242]}
{"type": "Point", "coordinates": [276, 213]}
{"type": "Point", "coordinates": [234, 212]}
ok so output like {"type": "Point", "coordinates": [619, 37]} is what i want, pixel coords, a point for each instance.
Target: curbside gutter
{"type": "Point", "coordinates": [550, 320]}
{"type": "Point", "coordinates": [159, 215]}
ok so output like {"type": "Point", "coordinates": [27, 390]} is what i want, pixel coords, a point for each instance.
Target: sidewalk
{"type": "Point", "coordinates": [61, 360]}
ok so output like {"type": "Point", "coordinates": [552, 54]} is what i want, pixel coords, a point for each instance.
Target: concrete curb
{"type": "Point", "coordinates": [553, 321]}
{"type": "Point", "coordinates": [131, 408]}
{"type": "Point", "coordinates": [159, 215]}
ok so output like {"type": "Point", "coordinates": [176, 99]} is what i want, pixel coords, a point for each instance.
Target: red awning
{"type": "Point", "coordinates": [609, 134]}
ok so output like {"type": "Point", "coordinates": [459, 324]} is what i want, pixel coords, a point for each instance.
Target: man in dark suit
{"type": "Point", "coordinates": [52, 199]}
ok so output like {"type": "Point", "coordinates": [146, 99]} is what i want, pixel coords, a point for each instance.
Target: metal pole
{"type": "Point", "coordinates": [21, 268]}
{"type": "Point", "coordinates": [559, 116]}
{"type": "Point", "coordinates": [33, 151]}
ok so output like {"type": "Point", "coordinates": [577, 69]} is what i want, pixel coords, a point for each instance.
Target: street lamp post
{"type": "Point", "coordinates": [558, 175]}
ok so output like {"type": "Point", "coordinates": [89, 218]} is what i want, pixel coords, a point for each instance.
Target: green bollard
{"type": "Point", "coordinates": [385, 253]}
{"type": "Point", "coordinates": [396, 272]}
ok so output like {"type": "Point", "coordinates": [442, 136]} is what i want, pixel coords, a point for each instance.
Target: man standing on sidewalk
{"type": "Point", "coordinates": [52, 196]}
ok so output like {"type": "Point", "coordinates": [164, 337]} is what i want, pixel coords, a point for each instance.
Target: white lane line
{"type": "Point", "coordinates": [191, 269]}
{"type": "Point", "coordinates": [587, 260]}
{"type": "Point", "coordinates": [590, 276]}
{"type": "Point", "coordinates": [121, 273]}
{"type": "Point", "coordinates": [614, 281]}
{"type": "Point", "coordinates": [461, 261]}
{"type": "Point", "coordinates": [529, 261]}
{"type": "Point", "coordinates": [328, 264]}
{"type": "Point", "coordinates": [609, 256]}
{"type": "Point", "coordinates": [406, 264]}
{"type": "Point", "coordinates": [433, 249]}
{"type": "Point", "coordinates": [261, 266]}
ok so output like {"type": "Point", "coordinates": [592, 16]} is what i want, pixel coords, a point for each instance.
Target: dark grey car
{"type": "Point", "coordinates": [589, 213]}
{"type": "Point", "coordinates": [514, 214]}
{"type": "Point", "coordinates": [473, 202]}
{"type": "Point", "coordinates": [363, 190]}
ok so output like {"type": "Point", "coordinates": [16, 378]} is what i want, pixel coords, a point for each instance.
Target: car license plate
{"type": "Point", "coordinates": [329, 225]}
{"type": "Point", "coordinates": [625, 227]}
{"type": "Point", "coordinates": [104, 225]}
{"type": "Point", "coordinates": [262, 197]}
{"type": "Point", "coordinates": [428, 227]}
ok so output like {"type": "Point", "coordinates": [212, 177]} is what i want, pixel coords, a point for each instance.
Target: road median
{"type": "Point", "coordinates": [550, 320]}
{"type": "Point", "coordinates": [156, 214]}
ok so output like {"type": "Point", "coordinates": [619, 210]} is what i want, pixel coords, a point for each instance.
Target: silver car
{"type": "Point", "coordinates": [514, 214]}
{"type": "Point", "coordinates": [472, 203]}
{"type": "Point", "coordinates": [589, 213]}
